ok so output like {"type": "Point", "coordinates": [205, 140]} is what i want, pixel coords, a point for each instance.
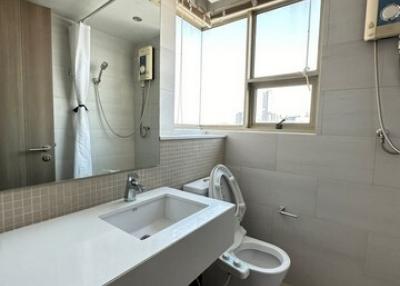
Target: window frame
{"type": "Point", "coordinates": [313, 80]}
{"type": "Point", "coordinates": [253, 83]}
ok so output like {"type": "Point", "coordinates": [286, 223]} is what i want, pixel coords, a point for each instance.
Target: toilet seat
{"type": "Point", "coordinates": [229, 192]}
{"type": "Point", "coordinates": [246, 253]}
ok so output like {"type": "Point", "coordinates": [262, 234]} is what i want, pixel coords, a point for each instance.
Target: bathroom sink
{"type": "Point", "coordinates": [144, 219]}
{"type": "Point", "coordinates": [102, 246]}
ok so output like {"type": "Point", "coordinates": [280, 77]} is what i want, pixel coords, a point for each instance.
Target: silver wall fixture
{"type": "Point", "coordinates": [282, 211]}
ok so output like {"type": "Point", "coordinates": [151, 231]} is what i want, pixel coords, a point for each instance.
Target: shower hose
{"type": "Point", "coordinates": [383, 134]}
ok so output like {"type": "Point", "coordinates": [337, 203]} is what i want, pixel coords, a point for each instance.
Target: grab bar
{"type": "Point", "coordinates": [282, 211]}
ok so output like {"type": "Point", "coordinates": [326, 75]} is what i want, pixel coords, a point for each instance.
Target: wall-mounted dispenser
{"type": "Point", "coordinates": [146, 63]}
{"type": "Point", "coordinates": [382, 19]}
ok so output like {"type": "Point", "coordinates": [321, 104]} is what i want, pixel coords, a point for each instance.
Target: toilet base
{"type": "Point", "coordinates": [258, 279]}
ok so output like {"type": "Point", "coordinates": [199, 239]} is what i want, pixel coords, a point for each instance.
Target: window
{"type": "Point", "coordinates": [253, 72]}
{"type": "Point", "coordinates": [223, 75]}
{"type": "Point", "coordinates": [289, 103]}
{"type": "Point", "coordinates": [282, 42]}
{"type": "Point", "coordinates": [210, 74]}
{"type": "Point", "coordinates": [187, 73]}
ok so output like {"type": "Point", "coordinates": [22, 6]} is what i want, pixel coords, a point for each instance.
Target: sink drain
{"type": "Point", "coordinates": [145, 236]}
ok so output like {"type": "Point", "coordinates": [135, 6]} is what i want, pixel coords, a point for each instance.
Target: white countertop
{"type": "Point", "coordinates": [81, 249]}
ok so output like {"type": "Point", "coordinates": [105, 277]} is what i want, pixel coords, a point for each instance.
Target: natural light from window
{"type": "Point", "coordinates": [292, 103]}
{"type": "Point", "coordinates": [187, 73]}
{"type": "Point", "coordinates": [282, 39]}
{"type": "Point", "coordinates": [252, 72]}
{"type": "Point", "coordinates": [223, 74]}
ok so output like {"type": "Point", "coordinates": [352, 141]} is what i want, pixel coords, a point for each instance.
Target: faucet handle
{"type": "Point", "coordinates": [132, 179]}
{"type": "Point", "coordinates": [133, 176]}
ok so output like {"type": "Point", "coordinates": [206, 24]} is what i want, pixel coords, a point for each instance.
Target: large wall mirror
{"type": "Point", "coordinates": [79, 88]}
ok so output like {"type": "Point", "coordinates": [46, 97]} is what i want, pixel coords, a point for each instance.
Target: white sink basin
{"type": "Point", "coordinates": [145, 219]}
{"type": "Point", "coordinates": [102, 246]}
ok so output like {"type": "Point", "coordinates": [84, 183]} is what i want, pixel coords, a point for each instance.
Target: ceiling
{"type": "Point", "coordinates": [115, 19]}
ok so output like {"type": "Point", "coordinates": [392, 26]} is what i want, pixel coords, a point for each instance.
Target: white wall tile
{"type": "Point", "coordinates": [166, 112]}
{"type": "Point", "coordinates": [390, 97]}
{"type": "Point", "coordinates": [389, 62]}
{"type": "Point", "coordinates": [363, 206]}
{"type": "Point", "coordinates": [345, 158]}
{"type": "Point", "coordinates": [349, 112]}
{"type": "Point", "coordinates": [251, 150]}
{"type": "Point", "coordinates": [347, 66]}
{"type": "Point", "coordinates": [383, 258]}
{"type": "Point", "coordinates": [314, 234]}
{"type": "Point", "coordinates": [346, 21]}
{"type": "Point", "coordinates": [387, 167]}
{"type": "Point", "coordinates": [167, 69]}
{"type": "Point", "coordinates": [258, 221]}
{"type": "Point", "coordinates": [297, 193]}
{"type": "Point", "coordinates": [168, 13]}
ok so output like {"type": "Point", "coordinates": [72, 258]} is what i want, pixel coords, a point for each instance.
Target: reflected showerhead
{"type": "Point", "coordinates": [103, 66]}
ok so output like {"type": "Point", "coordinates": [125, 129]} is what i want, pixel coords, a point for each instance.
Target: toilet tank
{"type": "Point", "coordinates": [199, 187]}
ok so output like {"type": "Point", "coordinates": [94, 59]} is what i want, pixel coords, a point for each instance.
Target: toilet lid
{"type": "Point", "coordinates": [223, 186]}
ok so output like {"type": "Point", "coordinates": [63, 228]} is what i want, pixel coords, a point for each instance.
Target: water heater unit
{"type": "Point", "coordinates": [146, 63]}
{"type": "Point", "coordinates": [382, 19]}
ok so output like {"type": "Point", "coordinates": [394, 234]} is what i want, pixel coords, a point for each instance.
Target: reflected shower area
{"type": "Point", "coordinates": [94, 104]}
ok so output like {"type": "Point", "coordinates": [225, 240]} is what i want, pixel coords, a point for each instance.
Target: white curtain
{"type": "Point", "coordinates": [79, 36]}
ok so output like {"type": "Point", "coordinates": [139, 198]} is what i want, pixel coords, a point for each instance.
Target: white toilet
{"type": "Point", "coordinates": [250, 261]}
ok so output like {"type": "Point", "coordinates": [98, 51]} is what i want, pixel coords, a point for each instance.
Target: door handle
{"type": "Point", "coordinates": [44, 148]}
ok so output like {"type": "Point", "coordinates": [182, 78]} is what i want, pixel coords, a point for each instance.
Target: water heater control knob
{"type": "Point", "coordinates": [391, 12]}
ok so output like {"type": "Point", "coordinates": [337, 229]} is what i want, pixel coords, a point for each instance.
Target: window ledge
{"type": "Point", "coordinates": [191, 136]}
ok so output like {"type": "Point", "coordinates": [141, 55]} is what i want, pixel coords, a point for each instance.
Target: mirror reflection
{"type": "Point", "coordinates": [79, 94]}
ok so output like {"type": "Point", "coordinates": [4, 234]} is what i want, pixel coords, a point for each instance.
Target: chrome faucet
{"type": "Point", "coordinates": [132, 188]}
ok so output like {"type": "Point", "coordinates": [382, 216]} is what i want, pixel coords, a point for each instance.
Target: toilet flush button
{"type": "Point", "coordinates": [237, 263]}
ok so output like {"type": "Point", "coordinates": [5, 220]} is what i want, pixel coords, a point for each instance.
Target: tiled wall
{"type": "Point", "coordinates": [181, 161]}
{"type": "Point", "coordinates": [344, 187]}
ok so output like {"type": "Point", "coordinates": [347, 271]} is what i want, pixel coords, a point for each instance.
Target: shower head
{"type": "Point", "coordinates": [103, 66]}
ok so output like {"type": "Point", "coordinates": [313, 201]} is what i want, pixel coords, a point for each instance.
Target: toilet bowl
{"type": "Point", "coordinates": [250, 261]}
{"type": "Point", "coordinates": [268, 264]}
